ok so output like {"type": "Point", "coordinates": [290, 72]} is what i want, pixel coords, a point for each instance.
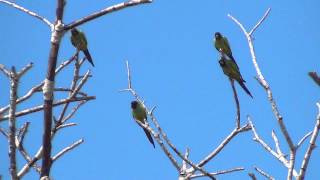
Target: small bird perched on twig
{"type": "Point", "coordinates": [139, 113]}
{"type": "Point", "coordinates": [231, 69]}
{"type": "Point", "coordinates": [79, 41]}
{"type": "Point", "coordinates": [227, 62]}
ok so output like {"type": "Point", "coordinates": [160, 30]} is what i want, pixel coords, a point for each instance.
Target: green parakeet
{"type": "Point", "coordinates": [79, 41]}
{"type": "Point", "coordinates": [231, 69]}
{"type": "Point", "coordinates": [140, 114]}
{"type": "Point", "coordinates": [221, 44]}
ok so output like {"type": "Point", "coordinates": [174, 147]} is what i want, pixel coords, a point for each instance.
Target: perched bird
{"type": "Point", "coordinates": [139, 113]}
{"type": "Point", "coordinates": [231, 69]}
{"type": "Point", "coordinates": [79, 41]}
{"type": "Point", "coordinates": [221, 44]}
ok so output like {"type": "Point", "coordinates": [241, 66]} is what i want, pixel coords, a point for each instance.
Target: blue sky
{"type": "Point", "coordinates": [174, 66]}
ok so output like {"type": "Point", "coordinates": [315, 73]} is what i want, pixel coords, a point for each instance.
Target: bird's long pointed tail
{"type": "Point", "coordinates": [245, 88]}
{"type": "Point", "coordinates": [88, 56]}
{"type": "Point", "coordinates": [149, 137]}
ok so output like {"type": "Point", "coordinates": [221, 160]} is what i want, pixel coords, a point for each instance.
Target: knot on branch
{"type": "Point", "coordinates": [47, 89]}
{"type": "Point", "coordinates": [57, 32]}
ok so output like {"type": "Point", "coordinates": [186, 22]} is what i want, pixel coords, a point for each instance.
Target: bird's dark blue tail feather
{"type": "Point", "coordinates": [245, 88]}
{"type": "Point", "coordinates": [149, 137]}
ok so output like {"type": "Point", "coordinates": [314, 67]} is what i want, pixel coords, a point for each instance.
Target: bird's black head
{"type": "Point", "coordinates": [222, 62]}
{"type": "Point", "coordinates": [74, 31]}
{"type": "Point", "coordinates": [134, 104]}
{"type": "Point", "coordinates": [217, 35]}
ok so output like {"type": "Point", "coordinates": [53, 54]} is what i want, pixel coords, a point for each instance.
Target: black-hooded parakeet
{"type": "Point", "coordinates": [231, 69]}
{"type": "Point", "coordinates": [79, 41]}
{"type": "Point", "coordinates": [221, 44]}
{"type": "Point", "coordinates": [139, 113]}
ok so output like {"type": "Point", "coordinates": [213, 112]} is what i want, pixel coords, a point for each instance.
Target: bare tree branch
{"type": "Point", "coordinates": [281, 158]}
{"type": "Point", "coordinates": [314, 76]}
{"type": "Point", "coordinates": [262, 80]}
{"type": "Point", "coordinates": [276, 142]}
{"type": "Point", "coordinates": [14, 81]}
{"type": "Point", "coordinates": [267, 88]}
{"type": "Point", "coordinates": [31, 13]}
{"type": "Point", "coordinates": [31, 163]}
{"type": "Point", "coordinates": [303, 139]}
{"type": "Point", "coordinates": [163, 134]}
{"type": "Point", "coordinates": [67, 149]}
{"type": "Point", "coordinates": [252, 176]}
{"type": "Point", "coordinates": [263, 173]}
{"type": "Point", "coordinates": [24, 70]}
{"type": "Point", "coordinates": [104, 12]}
{"type": "Point", "coordinates": [5, 70]}
{"type": "Point", "coordinates": [73, 111]}
{"type": "Point", "coordinates": [37, 87]}
{"type": "Point", "coordinates": [4, 132]}
{"type": "Point", "coordinates": [312, 145]}
{"type": "Point", "coordinates": [260, 22]}
{"type": "Point", "coordinates": [236, 131]}
{"type": "Point", "coordinates": [219, 172]}
{"type": "Point", "coordinates": [57, 103]}
{"type": "Point", "coordinates": [237, 103]}
{"type": "Point", "coordinates": [48, 88]}
{"type": "Point", "coordinates": [66, 125]}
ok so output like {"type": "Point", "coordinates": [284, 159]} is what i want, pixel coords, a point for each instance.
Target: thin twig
{"type": "Point", "coordinates": [163, 134]}
{"type": "Point", "coordinates": [312, 145]}
{"type": "Point", "coordinates": [263, 173]}
{"type": "Point", "coordinates": [237, 103]}
{"type": "Point", "coordinates": [66, 125]}
{"type": "Point", "coordinates": [5, 70]}
{"type": "Point", "coordinates": [184, 167]}
{"type": "Point", "coordinates": [73, 111]}
{"type": "Point", "coordinates": [236, 131]}
{"type": "Point", "coordinates": [252, 176]}
{"type": "Point", "coordinates": [304, 138]}
{"type": "Point", "coordinates": [4, 132]}
{"type": "Point", "coordinates": [219, 172]}
{"type": "Point", "coordinates": [314, 76]}
{"type": "Point", "coordinates": [260, 22]}
{"type": "Point", "coordinates": [72, 87]}
{"type": "Point", "coordinates": [276, 142]}
{"type": "Point", "coordinates": [105, 11]}
{"type": "Point", "coordinates": [31, 13]}
{"type": "Point", "coordinates": [281, 158]}
{"type": "Point", "coordinates": [38, 87]}
{"type": "Point", "coordinates": [67, 149]}
{"type": "Point", "coordinates": [160, 142]}
{"type": "Point", "coordinates": [57, 103]}
{"type": "Point", "coordinates": [24, 70]}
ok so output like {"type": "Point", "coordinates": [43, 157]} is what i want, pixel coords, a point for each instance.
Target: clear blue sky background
{"type": "Point", "coordinates": [174, 66]}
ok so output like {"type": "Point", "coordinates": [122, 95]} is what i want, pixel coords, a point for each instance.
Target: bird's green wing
{"type": "Point", "coordinates": [73, 41]}
{"type": "Point", "coordinates": [226, 46]}
{"type": "Point", "coordinates": [83, 39]}
{"type": "Point", "coordinates": [233, 70]}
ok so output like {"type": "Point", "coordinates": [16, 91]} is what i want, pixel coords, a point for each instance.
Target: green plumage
{"type": "Point", "coordinates": [140, 114]}
{"type": "Point", "coordinates": [230, 68]}
{"type": "Point", "coordinates": [79, 41]}
{"type": "Point", "coordinates": [221, 44]}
